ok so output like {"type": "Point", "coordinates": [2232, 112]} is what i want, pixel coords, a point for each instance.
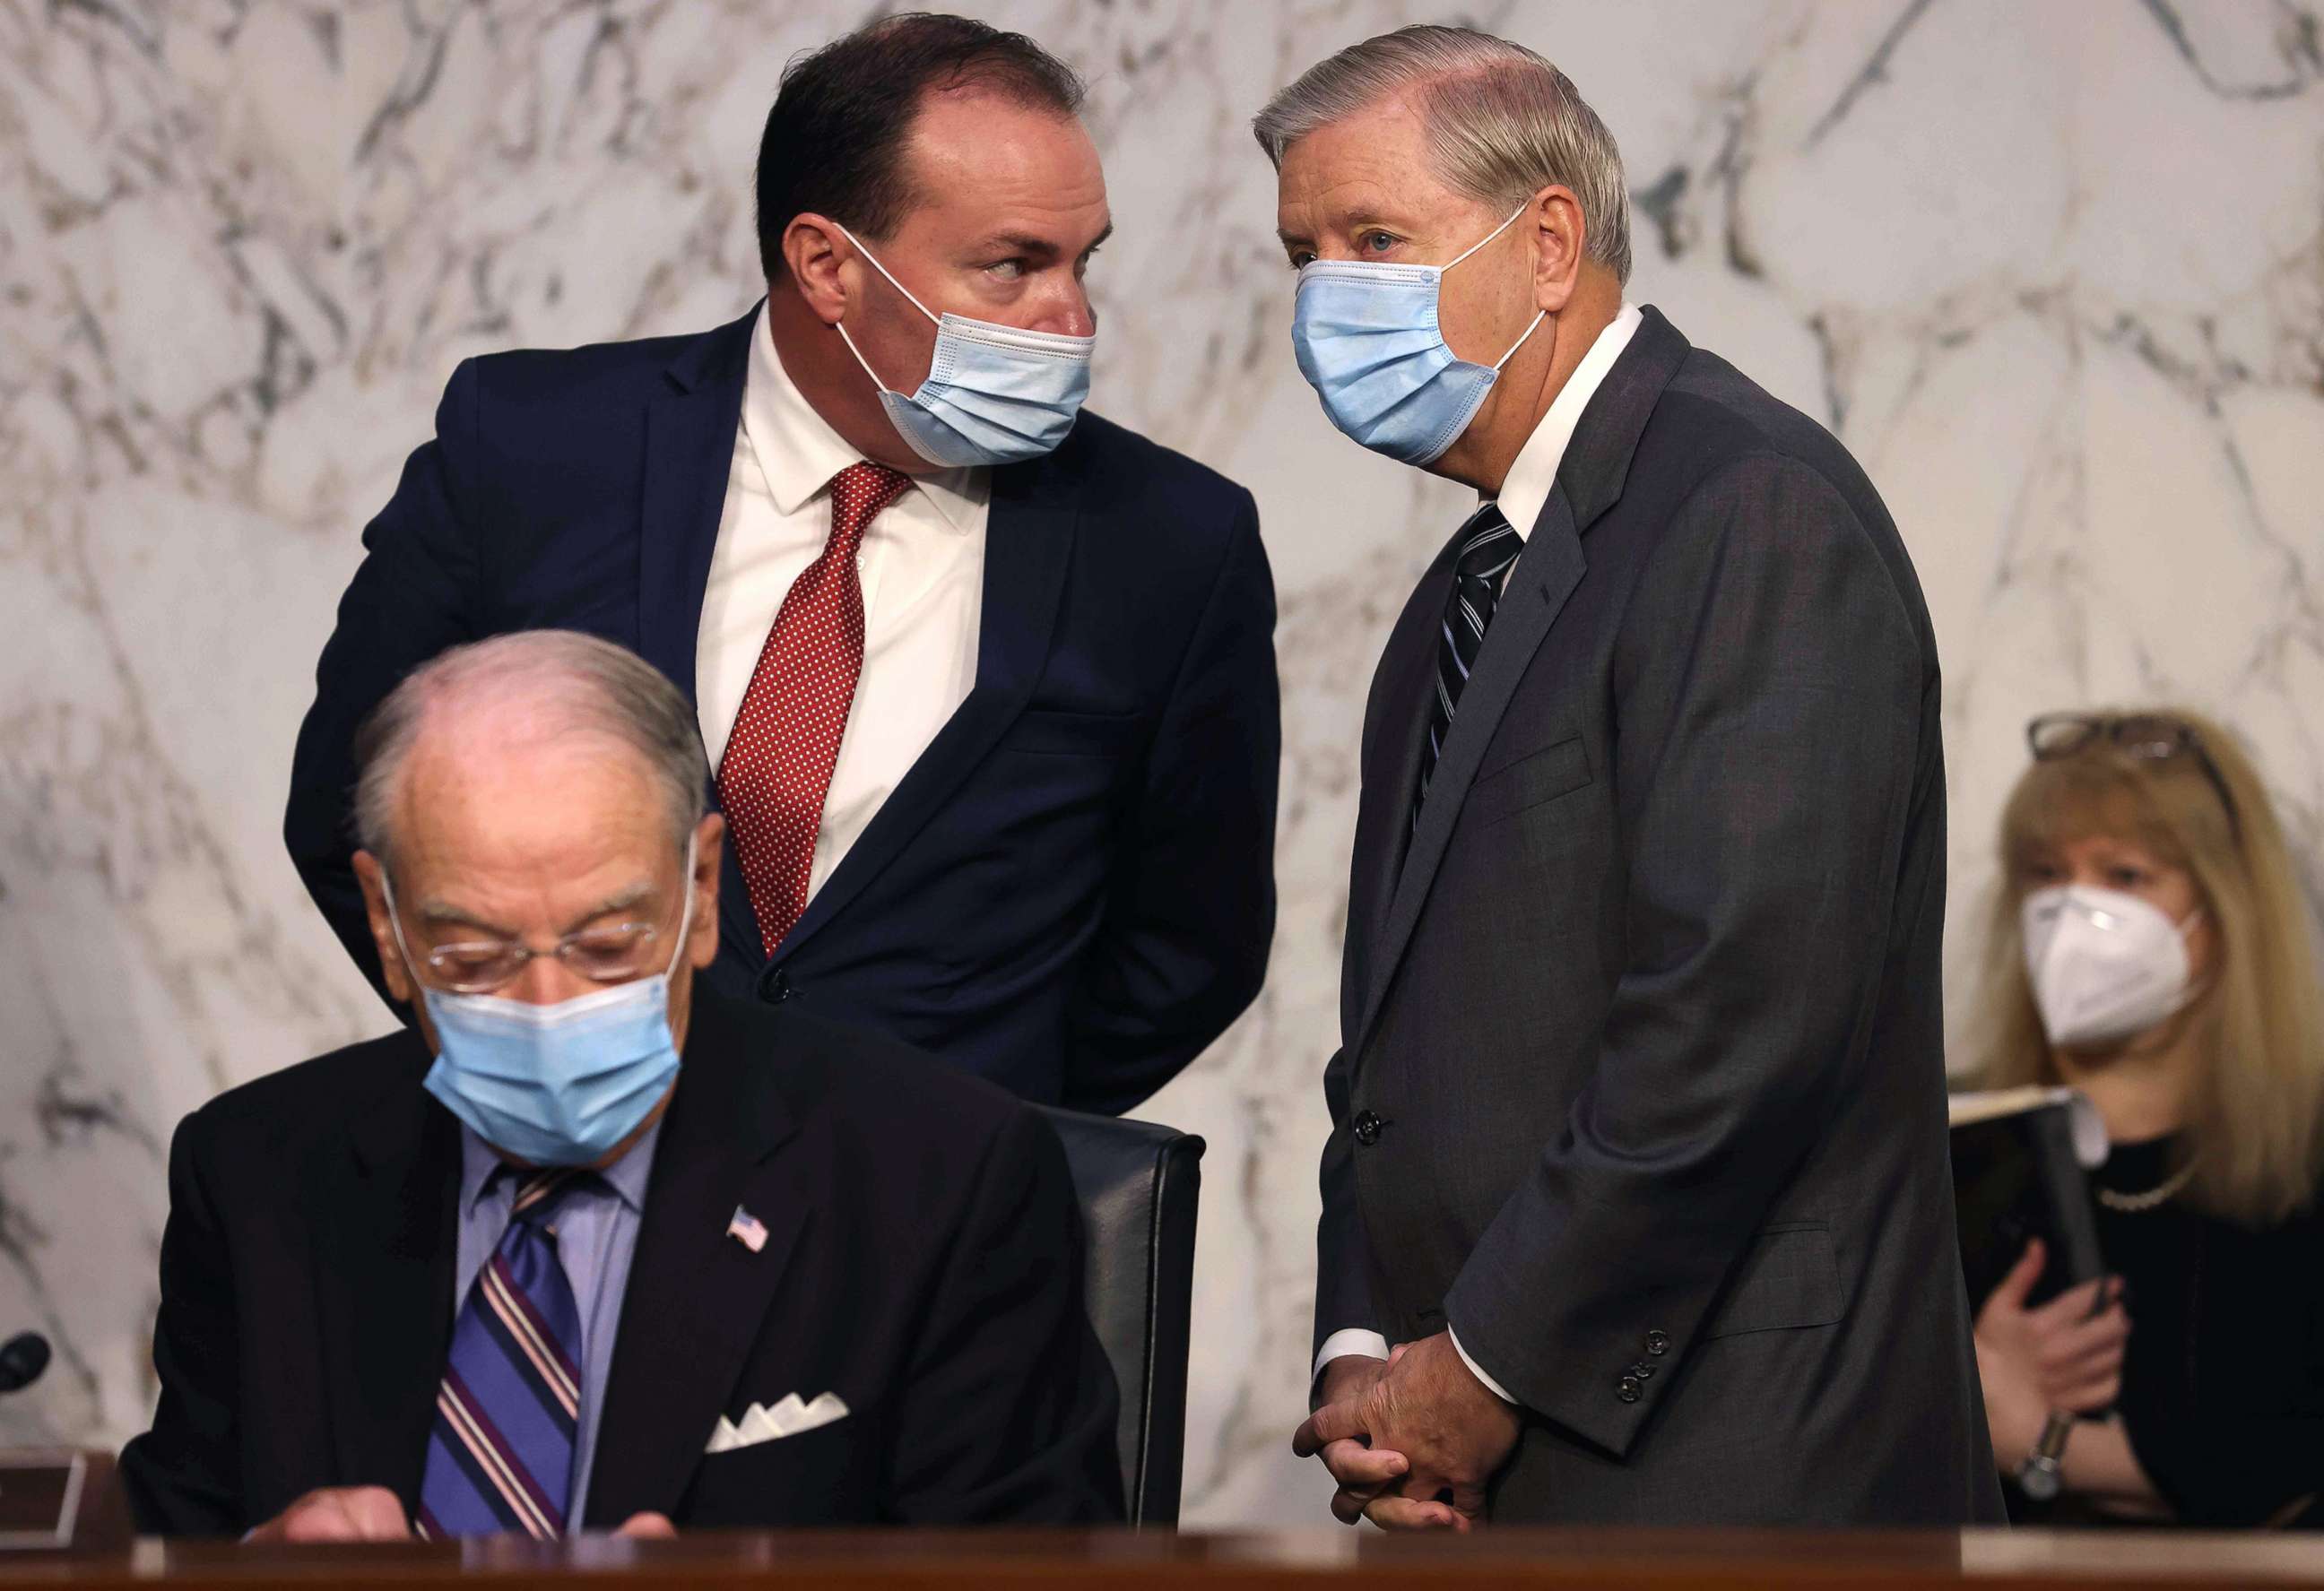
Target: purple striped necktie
{"type": "Point", "coordinates": [500, 1458]}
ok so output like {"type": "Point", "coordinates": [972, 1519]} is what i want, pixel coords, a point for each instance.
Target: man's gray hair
{"type": "Point", "coordinates": [1502, 123]}
{"type": "Point", "coordinates": [563, 684]}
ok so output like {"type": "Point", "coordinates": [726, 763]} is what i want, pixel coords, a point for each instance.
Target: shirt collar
{"type": "Point", "coordinates": [626, 1177]}
{"type": "Point", "coordinates": [1533, 474]}
{"type": "Point", "coordinates": [798, 452]}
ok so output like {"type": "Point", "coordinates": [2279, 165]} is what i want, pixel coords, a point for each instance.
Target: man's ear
{"type": "Point", "coordinates": [397, 975]}
{"type": "Point", "coordinates": [709, 854]}
{"type": "Point", "coordinates": [814, 248]}
{"type": "Point", "coordinates": [1560, 240]}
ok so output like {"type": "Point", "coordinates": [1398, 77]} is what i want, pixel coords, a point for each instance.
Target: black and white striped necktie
{"type": "Point", "coordinates": [1487, 547]}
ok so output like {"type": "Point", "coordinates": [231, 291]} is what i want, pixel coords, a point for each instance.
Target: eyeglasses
{"type": "Point", "coordinates": [610, 955]}
{"type": "Point", "coordinates": [2145, 736]}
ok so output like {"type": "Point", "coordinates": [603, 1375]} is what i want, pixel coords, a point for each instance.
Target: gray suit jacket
{"type": "Point", "coordinates": [1641, 1085]}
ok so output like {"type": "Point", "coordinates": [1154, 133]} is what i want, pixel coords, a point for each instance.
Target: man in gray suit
{"type": "Point", "coordinates": [1638, 1121]}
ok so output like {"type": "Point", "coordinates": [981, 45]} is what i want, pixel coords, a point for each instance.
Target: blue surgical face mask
{"type": "Point", "coordinates": [559, 1084]}
{"type": "Point", "coordinates": [1367, 342]}
{"type": "Point", "coordinates": [995, 394]}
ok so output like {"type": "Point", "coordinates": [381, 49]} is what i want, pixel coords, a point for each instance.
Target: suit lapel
{"type": "Point", "coordinates": [1589, 482]}
{"type": "Point", "coordinates": [697, 1297]}
{"type": "Point", "coordinates": [1029, 542]}
{"type": "Point", "coordinates": [690, 429]}
{"type": "Point", "coordinates": [387, 1248]}
{"type": "Point", "coordinates": [690, 454]}
{"type": "Point", "coordinates": [738, 919]}
{"type": "Point", "coordinates": [1391, 764]}
{"type": "Point", "coordinates": [1545, 574]}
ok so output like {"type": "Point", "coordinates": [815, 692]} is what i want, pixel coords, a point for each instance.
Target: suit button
{"type": "Point", "coordinates": [1628, 1389]}
{"type": "Point", "coordinates": [775, 986]}
{"type": "Point", "coordinates": [1642, 1371]}
{"type": "Point", "coordinates": [1657, 1343]}
{"type": "Point", "coordinates": [1368, 1128]}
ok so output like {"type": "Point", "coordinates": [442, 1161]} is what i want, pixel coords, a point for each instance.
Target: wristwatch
{"type": "Point", "coordinates": [2043, 1474]}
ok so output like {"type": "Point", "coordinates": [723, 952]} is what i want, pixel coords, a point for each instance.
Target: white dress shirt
{"type": "Point", "coordinates": [1533, 474]}
{"type": "Point", "coordinates": [1525, 492]}
{"type": "Point", "coordinates": [922, 566]}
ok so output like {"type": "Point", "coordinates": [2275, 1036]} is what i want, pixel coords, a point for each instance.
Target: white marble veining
{"type": "Point", "coordinates": [2055, 273]}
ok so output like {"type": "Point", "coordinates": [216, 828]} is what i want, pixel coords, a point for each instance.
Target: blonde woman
{"type": "Point", "coordinates": [2150, 948]}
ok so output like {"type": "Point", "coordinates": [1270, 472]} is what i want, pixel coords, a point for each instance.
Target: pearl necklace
{"type": "Point", "coordinates": [2154, 1198]}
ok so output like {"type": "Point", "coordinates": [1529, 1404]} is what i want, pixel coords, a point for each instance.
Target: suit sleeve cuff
{"type": "Point", "coordinates": [1348, 1339]}
{"type": "Point", "coordinates": [1475, 1369]}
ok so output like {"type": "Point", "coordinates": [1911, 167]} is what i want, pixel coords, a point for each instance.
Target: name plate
{"type": "Point", "coordinates": [39, 1497]}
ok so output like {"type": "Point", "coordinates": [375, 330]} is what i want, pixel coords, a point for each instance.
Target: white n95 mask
{"type": "Point", "coordinates": [2106, 966]}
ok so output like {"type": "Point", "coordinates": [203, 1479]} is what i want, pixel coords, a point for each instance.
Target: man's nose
{"type": "Point", "coordinates": [1067, 312]}
{"type": "Point", "coordinates": [545, 980]}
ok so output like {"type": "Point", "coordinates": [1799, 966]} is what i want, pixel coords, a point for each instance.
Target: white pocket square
{"type": "Point", "coordinates": [760, 1423]}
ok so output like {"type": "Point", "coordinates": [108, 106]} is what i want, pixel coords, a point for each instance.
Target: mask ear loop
{"type": "Point", "coordinates": [898, 286]}
{"type": "Point", "coordinates": [841, 327]}
{"type": "Point", "coordinates": [685, 914]}
{"type": "Point", "coordinates": [395, 925]}
{"type": "Point", "coordinates": [1539, 316]}
{"type": "Point", "coordinates": [1448, 265]}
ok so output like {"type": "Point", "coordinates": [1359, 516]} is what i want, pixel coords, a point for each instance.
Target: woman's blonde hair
{"type": "Point", "coordinates": [2256, 1119]}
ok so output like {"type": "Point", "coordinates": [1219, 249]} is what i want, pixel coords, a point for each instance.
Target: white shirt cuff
{"type": "Point", "coordinates": [1348, 1339]}
{"type": "Point", "coordinates": [1475, 1369]}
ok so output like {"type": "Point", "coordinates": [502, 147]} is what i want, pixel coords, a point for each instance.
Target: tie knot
{"type": "Point", "coordinates": [858, 493]}
{"type": "Point", "coordinates": [1488, 545]}
{"type": "Point", "coordinates": [541, 1191]}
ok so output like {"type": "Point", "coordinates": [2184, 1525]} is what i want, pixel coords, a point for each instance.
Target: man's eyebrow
{"type": "Point", "coordinates": [621, 900]}
{"type": "Point", "coordinates": [1020, 243]}
{"type": "Point", "coordinates": [442, 914]}
{"type": "Point", "coordinates": [1033, 244]}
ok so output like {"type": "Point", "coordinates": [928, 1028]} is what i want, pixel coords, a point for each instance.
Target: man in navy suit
{"type": "Point", "coordinates": [987, 684]}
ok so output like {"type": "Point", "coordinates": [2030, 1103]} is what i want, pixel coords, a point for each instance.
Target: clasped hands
{"type": "Point", "coordinates": [1412, 1438]}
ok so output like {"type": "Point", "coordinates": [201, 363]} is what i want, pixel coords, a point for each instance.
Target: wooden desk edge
{"type": "Point", "coordinates": [1728, 1560]}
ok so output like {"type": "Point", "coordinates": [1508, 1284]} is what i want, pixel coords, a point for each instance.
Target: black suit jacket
{"type": "Point", "coordinates": [922, 1262]}
{"type": "Point", "coordinates": [1072, 893]}
{"type": "Point", "coordinates": [1642, 1080]}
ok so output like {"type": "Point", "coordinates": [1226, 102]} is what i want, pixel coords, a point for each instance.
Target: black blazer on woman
{"type": "Point", "coordinates": [2223, 1380]}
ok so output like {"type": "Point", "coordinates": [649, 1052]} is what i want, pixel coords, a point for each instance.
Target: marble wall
{"type": "Point", "coordinates": [2056, 273]}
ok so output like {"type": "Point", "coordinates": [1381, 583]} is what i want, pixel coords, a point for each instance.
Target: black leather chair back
{"type": "Point", "coordinates": [1139, 1186]}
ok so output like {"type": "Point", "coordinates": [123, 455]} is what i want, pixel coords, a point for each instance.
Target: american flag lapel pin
{"type": "Point", "coordinates": [747, 1229]}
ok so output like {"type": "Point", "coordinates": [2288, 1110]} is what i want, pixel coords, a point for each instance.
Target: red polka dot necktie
{"type": "Point", "coordinates": [776, 769]}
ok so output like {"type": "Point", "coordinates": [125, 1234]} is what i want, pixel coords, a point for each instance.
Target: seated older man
{"type": "Point", "coordinates": [596, 1245]}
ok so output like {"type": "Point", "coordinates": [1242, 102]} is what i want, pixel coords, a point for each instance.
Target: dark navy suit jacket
{"type": "Point", "coordinates": [1070, 893]}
